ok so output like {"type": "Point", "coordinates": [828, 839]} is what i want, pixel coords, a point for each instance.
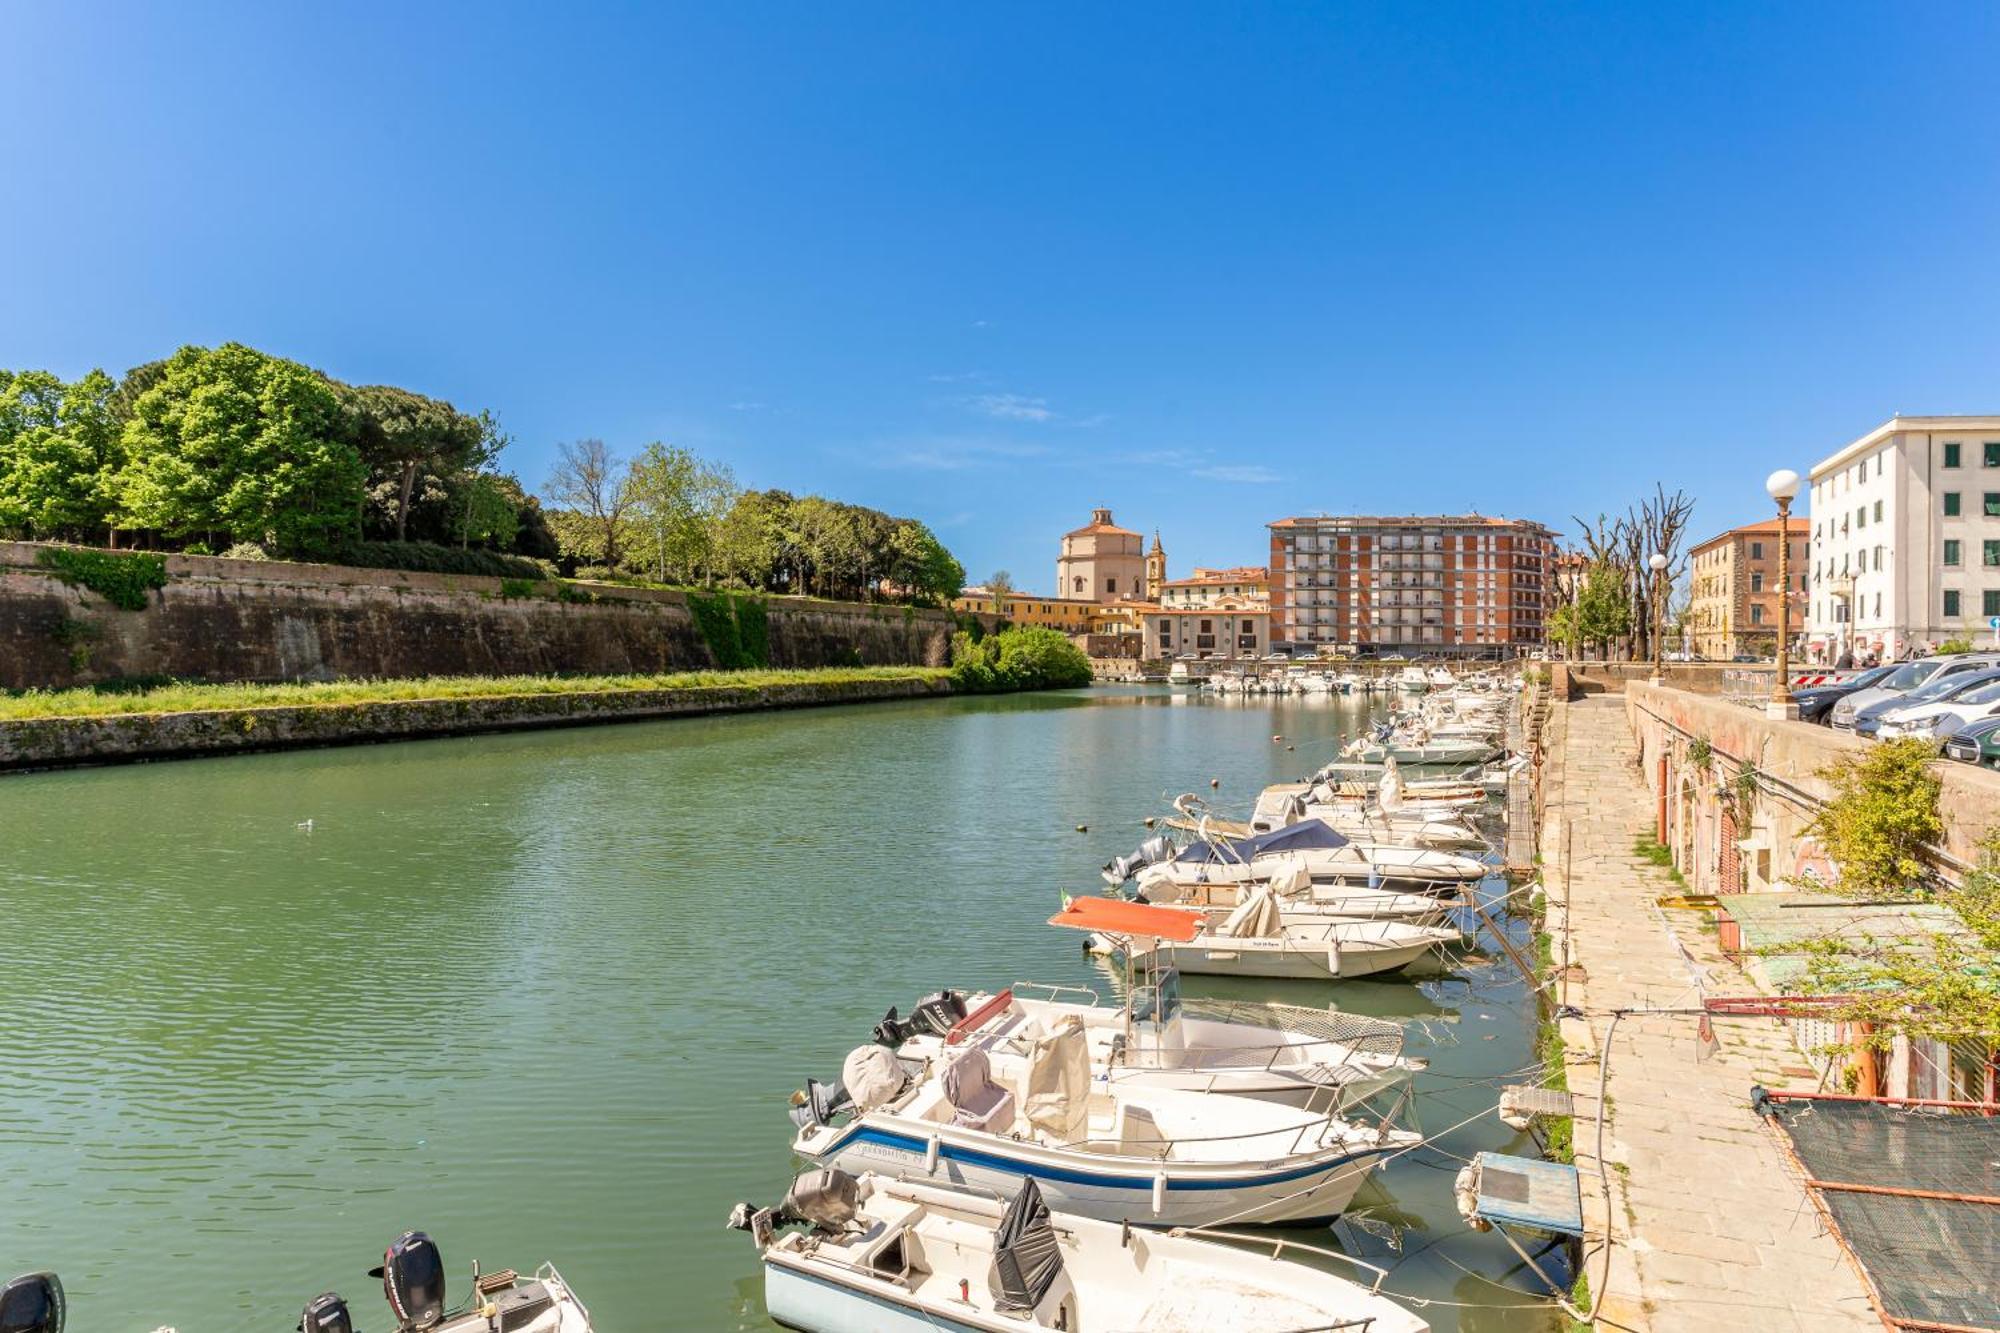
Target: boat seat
{"type": "Point", "coordinates": [977, 1101]}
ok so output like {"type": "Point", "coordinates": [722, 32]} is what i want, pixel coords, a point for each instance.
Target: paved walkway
{"type": "Point", "coordinates": [1712, 1229]}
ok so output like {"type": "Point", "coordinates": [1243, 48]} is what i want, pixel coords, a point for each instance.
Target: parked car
{"type": "Point", "coordinates": [1977, 699]}
{"type": "Point", "coordinates": [1976, 743]}
{"type": "Point", "coordinates": [1905, 678]}
{"type": "Point", "coordinates": [1947, 684]}
{"type": "Point", "coordinates": [1816, 701]}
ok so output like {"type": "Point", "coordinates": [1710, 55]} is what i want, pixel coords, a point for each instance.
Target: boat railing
{"type": "Point", "coordinates": [1053, 992]}
{"type": "Point", "coordinates": [1371, 1036]}
{"type": "Point", "coordinates": [1278, 1246]}
{"type": "Point", "coordinates": [548, 1271]}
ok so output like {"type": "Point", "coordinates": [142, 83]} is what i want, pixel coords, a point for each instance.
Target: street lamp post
{"type": "Point", "coordinates": [1658, 562]}
{"type": "Point", "coordinates": [1782, 486]}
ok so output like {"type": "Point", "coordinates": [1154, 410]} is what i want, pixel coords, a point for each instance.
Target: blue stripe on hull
{"type": "Point", "coordinates": [1143, 1184]}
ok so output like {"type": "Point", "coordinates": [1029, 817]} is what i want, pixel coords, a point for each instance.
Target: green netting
{"type": "Point", "coordinates": [1932, 1260]}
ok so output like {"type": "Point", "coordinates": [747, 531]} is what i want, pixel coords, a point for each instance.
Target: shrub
{"type": "Point", "coordinates": [122, 578]}
{"type": "Point", "coordinates": [430, 558]}
{"type": "Point", "coordinates": [196, 548]}
{"type": "Point", "coordinates": [1882, 817]}
{"type": "Point", "coordinates": [244, 551]}
{"type": "Point", "coordinates": [1021, 658]}
{"type": "Point", "coordinates": [511, 589]}
{"type": "Point", "coordinates": [1958, 645]}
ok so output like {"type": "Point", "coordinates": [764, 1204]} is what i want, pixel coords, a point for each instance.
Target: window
{"type": "Point", "coordinates": [1989, 504]}
{"type": "Point", "coordinates": [1951, 509]}
{"type": "Point", "coordinates": [1951, 454]}
{"type": "Point", "coordinates": [1953, 552]}
{"type": "Point", "coordinates": [1861, 517]}
{"type": "Point", "coordinates": [1878, 511]}
{"type": "Point", "coordinates": [1989, 602]}
{"type": "Point", "coordinates": [1756, 613]}
{"type": "Point", "coordinates": [1951, 604]}
{"type": "Point", "coordinates": [1078, 584]}
{"type": "Point", "coordinates": [1992, 453]}
{"type": "Point", "coordinates": [1756, 581]}
{"type": "Point", "coordinates": [1756, 550]}
{"type": "Point", "coordinates": [1989, 554]}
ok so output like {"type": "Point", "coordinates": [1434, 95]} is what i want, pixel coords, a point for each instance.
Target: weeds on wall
{"type": "Point", "coordinates": [122, 578]}
{"type": "Point", "coordinates": [1701, 754]}
{"type": "Point", "coordinates": [736, 628]}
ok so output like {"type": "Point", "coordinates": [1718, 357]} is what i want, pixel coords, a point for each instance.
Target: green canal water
{"type": "Point", "coordinates": [544, 995]}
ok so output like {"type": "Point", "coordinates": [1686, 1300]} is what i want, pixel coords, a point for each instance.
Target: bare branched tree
{"type": "Point", "coordinates": [589, 478]}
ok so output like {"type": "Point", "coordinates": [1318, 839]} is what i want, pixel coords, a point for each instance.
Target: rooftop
{"type": "Point", "coordinates": [1203, 577]}
{"type": "Point", "coordinates": [1778, 928]}
{"type": "Point", "coordinates": [1763, 528]}
{"type": "Point", "coordinates": [1902, 425]}
{"type": "Point", "coordinates": [1411, 521]}
{"type": "Point", "coordinates": [1100, 524]}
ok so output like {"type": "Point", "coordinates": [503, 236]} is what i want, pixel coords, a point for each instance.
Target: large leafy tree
{"type": "Point", "coordinates": [679, 502]}
{"type": "Point", "coordinates": [232, 443]}
{"type": "Point", "coordinates": [408, 442]}
{"type": "Point", "coordinates": [59, 454]}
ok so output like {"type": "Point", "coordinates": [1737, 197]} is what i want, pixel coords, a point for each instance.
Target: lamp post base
{"type": "Point", "coordinates": [1785, 710]}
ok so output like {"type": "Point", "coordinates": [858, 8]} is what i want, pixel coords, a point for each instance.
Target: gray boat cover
{"type": "Point", "coordinates": [827, 1198]}
{"type": "Point", "coordinates": [872, 1076]}
{"type": "Point", "coordinates": [1256, 916]}
{"type": "Point", "coordinates": [1312, 834]}
{"type": "Point", "coordinates": [1055, 1097]}
{"type": "Point", "coordinates": [1026, 1260]}
{"type": "Point", "coordinates": [977, 1101]}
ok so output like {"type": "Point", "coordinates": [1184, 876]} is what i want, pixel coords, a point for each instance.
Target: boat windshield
{"type": "Point", "coordinates": [1160, 1002]}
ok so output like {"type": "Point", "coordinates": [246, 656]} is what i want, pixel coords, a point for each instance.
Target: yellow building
{"type": "Point", "coordinates": [1067, 614]}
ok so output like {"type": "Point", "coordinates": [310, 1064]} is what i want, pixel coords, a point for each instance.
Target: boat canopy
{"type": "Point", "coordinates": [1114, 916]}
{"type": "Point", "coordinates": [1306, 835]}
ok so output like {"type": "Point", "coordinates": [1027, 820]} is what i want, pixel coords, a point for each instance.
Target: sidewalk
{"type": "Point", "coordinates": [1712, 1230]}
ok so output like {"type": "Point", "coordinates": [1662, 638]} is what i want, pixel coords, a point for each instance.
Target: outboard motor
{"type": "Point", "coordinates": [326, 1313]}
{"type": "Point", "coordinates": [1150, 852]}
{"type": "Point", "coordinates": [819, 1103]}
{"type": "Point", "coordinates": [826, 1199]}
{"type": "Point", "coordinates": [32, 1304]}
{"type": "Point", "coordinates": [936, 1014]}
{"type": "Point", "coordinates": [412, 1274]}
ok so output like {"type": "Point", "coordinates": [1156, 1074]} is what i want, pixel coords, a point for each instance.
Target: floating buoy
{"type": "Point", "coordinates": [1291, 747]}
{"type": "Point", "coordinates": [1147, 821]}
{"type": "Point", "coordinates": [1277, 740]}
{"type": "Point", "coordinates": [1083, 828]}
{"type": "Point", "coordinates": [1215, 782]}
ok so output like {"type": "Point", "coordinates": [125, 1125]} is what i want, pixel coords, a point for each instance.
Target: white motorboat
{"type": "Point", "coordinates": [1314, 1059]}
{"type": "Point", "coordinates": [1440, 678]}
{"type": "Point", "coordinates": [1258, 938]}
{"type": "Point", "coordinates": [1301, 899]}
{"type": "Point", "coordinates": [1420, 750]}
{"type": "Point", "coordinates": [906, 1257]}
{"type": "Point", "coordinates": [1329, 857]}
{"type": "Point", "coordinates": [412, 1275]}
{"type": "Point", "coordinates": [1114, 1150]}
{"type": "Point", "coordinates": [1413, 679]}
{"type": "Point", "coordinates": [1286, 803]}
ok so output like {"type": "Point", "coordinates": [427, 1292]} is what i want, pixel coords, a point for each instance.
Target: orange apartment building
{"type": "Point", "coordinates": [1444, 586]}
{"type": "Point", "coordinates": [1733, 593]}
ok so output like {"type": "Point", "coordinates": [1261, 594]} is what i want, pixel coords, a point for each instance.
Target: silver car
{"type": "Point", "coordinates": [1906, 678]}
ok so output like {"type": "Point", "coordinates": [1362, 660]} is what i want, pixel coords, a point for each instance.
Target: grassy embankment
{"type": "Point", "coordinates": [186, 697]}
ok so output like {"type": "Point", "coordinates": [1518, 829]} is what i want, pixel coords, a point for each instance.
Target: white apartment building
{"type": "Point", "coordinates": [1905, 526]}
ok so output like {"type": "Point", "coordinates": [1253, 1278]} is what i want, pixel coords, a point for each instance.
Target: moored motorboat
{"type": "Point", "coordinates": [1328, 856]}
{"type": "Point", "coordinates": [413, 1282]}
{"type": "Point", "coordinates": [1259, 938]}
{"type": "Point", "coordinates": [1314, 1059]}
{"type": "Point", "coordinates": [884, 1254]}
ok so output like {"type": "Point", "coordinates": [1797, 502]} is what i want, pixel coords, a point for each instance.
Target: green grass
{"type": "Point", "coordinates": [182, 697]}
{"type": "Point", "coordinates": [1659, 854]}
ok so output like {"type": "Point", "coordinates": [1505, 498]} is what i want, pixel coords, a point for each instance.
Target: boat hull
{"type": "Point", "coordinates": [1290, 961]}
{"type": "Point", "coordinates": [1187, 1194]}
{"type": "Point", "coordinates": [816, 1303]}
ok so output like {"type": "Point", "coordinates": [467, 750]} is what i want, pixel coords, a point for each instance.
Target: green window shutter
{"type": "Point", "coordinates": [1951, 552]}
{"type": "Point", "coordinates": [1951, 502]}
{"type": "Point", "coordinates": [1990, 554]}
{"type": "Point", "coordinates": [1989, 602]}
{"type": "Point", "coordinates": [1990, 503]}
{"type": "Point", "coordinates": [1951, 455]}
{"type": "Point", "coordinates": [1951, 603]}
{"type": "Point", "coordinates": [1993, 453]}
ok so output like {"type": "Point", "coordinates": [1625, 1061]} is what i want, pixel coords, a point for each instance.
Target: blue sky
{"type": "Point", "coordinates": [1207, 264]}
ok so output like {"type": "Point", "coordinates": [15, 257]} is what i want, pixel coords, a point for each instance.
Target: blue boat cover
{"type": "Point", "coordinates": [1521, 1191]}
{"type": "Point", "coordinates": [1304, 836]}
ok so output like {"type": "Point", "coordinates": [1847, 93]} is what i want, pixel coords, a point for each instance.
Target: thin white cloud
{"type": "Point", "coordinates": [749, 407]}
{"type": "Point", "coordinates": [945, 453]}
{"type": "Point", "coordinates": [1248, 473]}
{"type": "Point", "coordinates": [1012, 407]}
{"type": "Point", "coordinates": [960, 377]}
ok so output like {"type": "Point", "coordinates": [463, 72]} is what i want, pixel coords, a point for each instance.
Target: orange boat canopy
{"type": "Point", "coordinates": [1115, 916]}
